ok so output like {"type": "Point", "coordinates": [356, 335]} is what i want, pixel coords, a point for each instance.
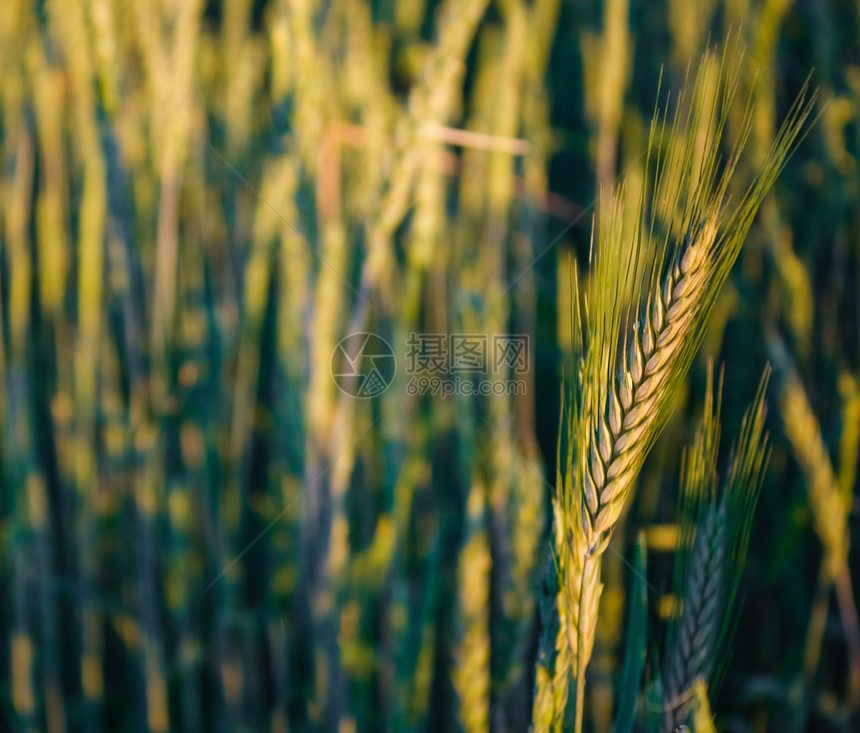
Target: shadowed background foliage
{"type": "Point", "coordinates": [198, 201]}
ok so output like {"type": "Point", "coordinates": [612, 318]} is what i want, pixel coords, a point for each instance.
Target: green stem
{"type": "Point", "coordinates": [581, 659]}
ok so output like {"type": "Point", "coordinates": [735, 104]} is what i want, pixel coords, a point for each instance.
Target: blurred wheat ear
{"type": "Point", "coordinates": [830, 500]}
{"type": "Point", "coordinates": [715, 529]}
{"type": "Point", "coordinates": [637, 325]}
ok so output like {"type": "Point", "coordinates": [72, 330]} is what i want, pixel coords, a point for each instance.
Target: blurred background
{"type": "Point", "coordinates": [201, 531]}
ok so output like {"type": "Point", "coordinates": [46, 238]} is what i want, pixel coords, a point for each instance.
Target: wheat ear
{"type": "Point", "coordinates": [620, 402]}
{"type": "Point", "coordinates": [715, 534]}
{"type": "Point", "coordinates": [698, 631]}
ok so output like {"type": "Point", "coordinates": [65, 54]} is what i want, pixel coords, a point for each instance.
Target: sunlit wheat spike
{"type": "Point", "coordinates": [652, 288]}
{"type": "Point", "coordinates": [622, 433]}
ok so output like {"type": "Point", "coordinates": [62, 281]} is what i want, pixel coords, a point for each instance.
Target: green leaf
{"type": "Point", "coordinates": [635, 647]}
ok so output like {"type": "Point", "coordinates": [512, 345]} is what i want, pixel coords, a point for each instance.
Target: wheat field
{"type": "Point", "coordinates": [429, 366]}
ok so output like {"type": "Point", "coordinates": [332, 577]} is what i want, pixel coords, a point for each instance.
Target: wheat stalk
{"type": "Point", "coordinates": [471, 673]}
{"type": "Point", "coordinates": [830, 505]}
{"type": "Point", "coordinates": [830, 501]}
{"type": "Point", "coordinates": [621, 400]}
